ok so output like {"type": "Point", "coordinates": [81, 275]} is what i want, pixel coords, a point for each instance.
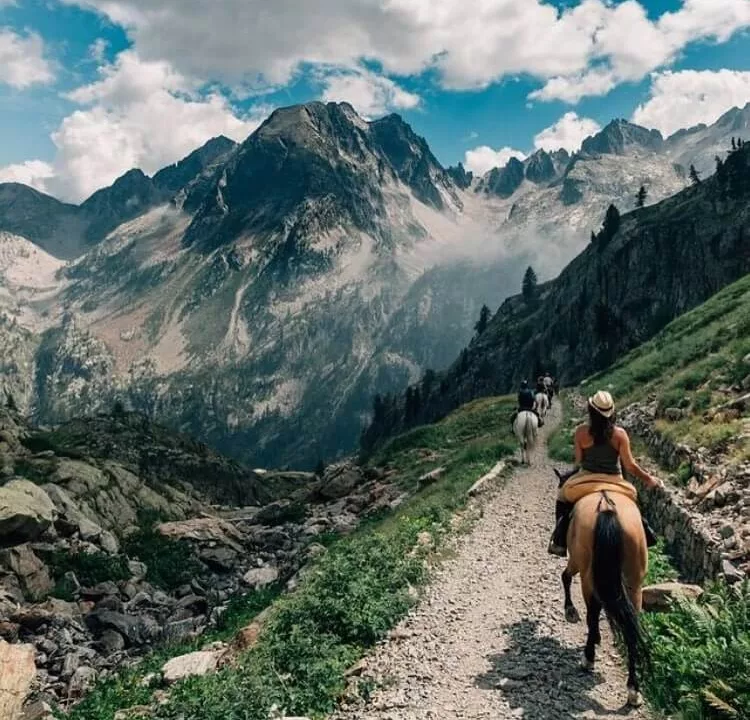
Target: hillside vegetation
{"type": "Point", "coordinates": [353, 595]}
{"type": "Point", "coordinates": [695, 367]}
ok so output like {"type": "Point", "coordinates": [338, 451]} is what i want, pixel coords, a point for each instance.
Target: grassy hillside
{"type": "Point", "coordinates": [696, 365]}
{"type": "Point", "coordinates": [361, 587]}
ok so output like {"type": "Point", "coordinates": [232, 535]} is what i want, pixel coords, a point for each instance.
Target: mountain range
{"type": "Point", "coordinates": [258, 295]}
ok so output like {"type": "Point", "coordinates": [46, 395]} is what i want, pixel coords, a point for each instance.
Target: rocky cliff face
{"type": "Point", "coordinates": [651, 266]}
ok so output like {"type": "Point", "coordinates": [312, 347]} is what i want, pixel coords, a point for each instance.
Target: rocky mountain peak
{"type": "Point", "coordinates": [504, 181]}
{"type": "Point", "coordinates": [540, 167]}
{"type": "Point", "coordinates": [620, 137]}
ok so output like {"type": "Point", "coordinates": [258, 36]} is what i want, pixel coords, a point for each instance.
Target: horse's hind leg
{"type": "Point", "coordinates": [593, 613]}
{"type": "Point", "coordinates": [571, 614]}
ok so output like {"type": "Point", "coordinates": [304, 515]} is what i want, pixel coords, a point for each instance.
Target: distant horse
{"type": "Point", "coordinates": [607, 546]}
{"type": "Point", "coordinates": [525, 427]}
{"type": "Point", "coordinates": [541, 404]}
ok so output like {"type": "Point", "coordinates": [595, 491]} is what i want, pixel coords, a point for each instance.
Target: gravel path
{"type": "Point", "coordinates": [488, 640]}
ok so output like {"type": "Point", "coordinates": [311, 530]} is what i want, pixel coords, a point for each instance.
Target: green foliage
{"type": "Point", "coordinates": [484, 318]}
{"type": "Point", "coordinates": [529, 287]}
{"type": "Point", "coordinates": [660, 568]}
{"type": "Point", "coordinates": [89, 568]}
{"type": "Point", "coordinates": [170, 563]}
{"type": "Point", "coordinates": [560, 445]}
{"type": "Point", "coordinates": [700, 654]}
{"type": "Point", "coordinates": [684, 472]}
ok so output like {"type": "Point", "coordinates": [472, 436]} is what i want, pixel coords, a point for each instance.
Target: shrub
{"type": "Point", "coordinates": [90, 568]}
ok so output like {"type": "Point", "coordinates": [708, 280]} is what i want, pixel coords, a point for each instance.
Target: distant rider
{"type": "Point", "coordinates": [548, 385]}
{"type": "Point", "coordinates": [526, 402]}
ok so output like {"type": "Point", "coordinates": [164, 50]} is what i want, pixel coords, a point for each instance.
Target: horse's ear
{"type": "Point", "coordinates": [557, 472]}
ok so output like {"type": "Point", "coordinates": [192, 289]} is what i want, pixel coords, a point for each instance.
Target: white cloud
{"type": "Point", "coordinates": [580, 50]}
{"type": "Point", "coordinates": [483, 158]}
{"type": "Point", "coordinates": [568, 132]}
{"type": "Point", "coordinates": [98, 50]}
{"type": "Point", "coordinates": [35, 173]}
{"type": "Point", "coordinates": [22, 61]}
{"type": "Point", "coordinates": [371, 95]}
{"type": "Point", "coordinates": [137, 114]}
{"type": "Point", "coordinates": [683, 99]}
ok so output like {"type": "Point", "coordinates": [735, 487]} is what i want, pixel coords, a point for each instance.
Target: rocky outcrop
{"type": "Point", "coordinates": [706, 521]}
{"type": "Point", "coordinates": [504, 181]}
{"type": "Point", "coordinates": [663, 595]}
{"type": "Point", "coordinates": [619, 136]}
{"type": "Point", "coordinates": [117, 535]}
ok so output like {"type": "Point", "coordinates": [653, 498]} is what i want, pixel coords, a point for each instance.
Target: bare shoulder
{"type": "Point", "coordinates": [581, 431]}
{"type": "Point", "coordinates": [620, 434]}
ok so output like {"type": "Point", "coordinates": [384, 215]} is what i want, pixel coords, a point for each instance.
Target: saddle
{"type": "Point", "coordinates": [585, 483]}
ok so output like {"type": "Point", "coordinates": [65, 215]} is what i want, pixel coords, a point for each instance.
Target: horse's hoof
{"type": "Point", "coordinates": [586, 664]}
{"type": "Point", "coordinates": [635, 699]}
{"type": "Point", "coordinates": [571, 615]}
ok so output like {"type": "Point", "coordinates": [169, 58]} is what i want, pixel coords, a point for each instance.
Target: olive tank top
{"type": "Point", "coordinates": [601, 459]}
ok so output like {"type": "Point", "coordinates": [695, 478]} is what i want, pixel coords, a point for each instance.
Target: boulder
{"type": "Point", "coordinates": [193, 664]}
{"type": "Point", "coordinates": [340, 481]}
{"type": "Point", "coordinates": [127, 625]}
{"type": "Point", "coordinates": [431, 477]}
{"type": "Point", "coordinates": [261, 577]}
{"type": "Point", "coordinates": [17, 672]}
{"type": "Point", "coordinates": [31, 572]}
{"type": "Point", "coordinates": [26, 511]}
{"type": "Point", "coordinates": [661, 596]}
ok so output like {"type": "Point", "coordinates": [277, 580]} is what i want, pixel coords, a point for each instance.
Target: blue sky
{"type": "Point", "coordinates": [90, 87]}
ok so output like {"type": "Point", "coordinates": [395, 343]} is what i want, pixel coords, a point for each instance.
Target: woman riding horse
{"type": "Point", "coordinates": [606, 538]}
{"type": "Point", "coordinates": [600, 447]}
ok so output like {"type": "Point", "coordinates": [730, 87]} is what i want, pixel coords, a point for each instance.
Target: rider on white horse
{"type": "Point", "coordinates": [526, 401]}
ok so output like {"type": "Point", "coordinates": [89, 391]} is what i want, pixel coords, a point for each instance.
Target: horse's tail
{"type": "Point", "coordinates": [608, 560]}
{"type": "Point", "coordinates": [528, 431]}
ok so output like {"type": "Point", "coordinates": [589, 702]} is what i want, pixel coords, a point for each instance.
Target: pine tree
{"type": "Point", "coordinates": [529, 286]}
{"type": "Point", "coordinates": [640, 198]}
{"type": "Point", "coordinates": [593, 237]}
{"type": "Point", "coordinates": [484, 318]}
{"type": "Point", "coordinates": [610, 227]}
{"type": "Point", "coordinates": [734, 144]}
{"type": "Point", "coordinates": [695, 177]}
{"type": "Point", "coordinates": [378, 409]}
{"type": "Point", "coordinates": [320, 468]}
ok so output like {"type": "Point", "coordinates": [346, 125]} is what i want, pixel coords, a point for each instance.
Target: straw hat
{"type": "Point", "coordinates": [603, 403]}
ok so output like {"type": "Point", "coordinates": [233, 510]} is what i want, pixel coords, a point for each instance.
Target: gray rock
{"type": "Point", "coordinates": [127, 625]}
{"type": "Point", "coordinates": [26, 511]}
{"type": "Point", "coordinates": [109, 542]}
{"type": "Point", "coordinates": [137, 570]}
{"type": "Point", "coordinates": [731, 574]}
{"type": "Point", "coordinates": [32, 573]}
{"type": "Point", "coordinates": [194, 664]}
{"type": "Point", "coordinates": [111, 641]}
{"type": "Point", "coordinates": [260, 577]}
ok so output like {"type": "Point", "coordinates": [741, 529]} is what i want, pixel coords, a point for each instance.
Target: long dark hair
{"type": "Point", "coordinates": [600, 427]}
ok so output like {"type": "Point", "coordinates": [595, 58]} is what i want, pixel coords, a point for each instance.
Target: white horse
{"type": "Point", "coordinates": [541, 404]}
{"type": "Point", "coordinates": [525, 427]}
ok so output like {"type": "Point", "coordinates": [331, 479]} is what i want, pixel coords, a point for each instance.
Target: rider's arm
{"type": "Point", "coordinates": [629, 463]}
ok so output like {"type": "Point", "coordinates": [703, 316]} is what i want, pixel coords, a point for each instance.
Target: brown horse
{"type": "Point", "coordinates": [607, 546]}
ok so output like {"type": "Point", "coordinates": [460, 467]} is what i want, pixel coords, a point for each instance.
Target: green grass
{"type": "Point", "coordinates": [560, 442]}
{"type": "Point", "coordinates": [690, 366]}
{"type": "Point", "coordinates": [356, 592]}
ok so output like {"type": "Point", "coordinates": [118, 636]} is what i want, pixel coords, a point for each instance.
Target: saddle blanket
{"type": "Point", "coordinates": [584, 483]}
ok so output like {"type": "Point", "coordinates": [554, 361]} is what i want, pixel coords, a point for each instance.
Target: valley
{"type": "Point", "coordinates": [260, 298]}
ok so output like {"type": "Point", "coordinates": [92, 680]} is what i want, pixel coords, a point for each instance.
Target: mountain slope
{"type": "Point", "coordinates": [661, 261]}
{"type": "Point", "coordinates": [67, 231]}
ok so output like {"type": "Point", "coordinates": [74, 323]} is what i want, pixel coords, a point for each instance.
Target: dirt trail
{"type": "Point", "coordinates": [489, 639]}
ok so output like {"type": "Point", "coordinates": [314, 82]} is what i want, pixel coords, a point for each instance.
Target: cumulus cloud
{"type": "Point", "coordinates": [568, 132]}
{"type": "Point", "coordinates": [35, 173]}
{"type": "Point", "coordinates": [483, 158]}
{"type": "Point", "coordinates": [22, 61]}
{"type": "Point", "coordinates": [580, 50]}
{"type": "Point", "coordinates": [687, 98]}
{"type": "Point", "coordinates": [136, 114]}
{"type": "Point", "coordinates": [371, 95]}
